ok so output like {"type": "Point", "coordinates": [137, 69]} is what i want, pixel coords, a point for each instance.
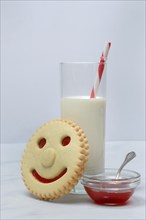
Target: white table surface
{"type": "Point", "coordinates": [18, 203]}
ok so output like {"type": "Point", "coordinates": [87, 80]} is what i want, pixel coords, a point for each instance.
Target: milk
{"type": "Point", "coordinates": [89, 114]}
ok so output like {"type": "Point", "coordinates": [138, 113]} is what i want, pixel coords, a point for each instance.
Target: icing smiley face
{"type": "Point", "coordinates": [54, 159]}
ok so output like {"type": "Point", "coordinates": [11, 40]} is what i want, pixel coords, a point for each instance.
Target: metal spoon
{"type": "Point", "coordinates": [128, 158]}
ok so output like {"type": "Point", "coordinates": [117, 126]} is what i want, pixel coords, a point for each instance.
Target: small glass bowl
{"type": "Point", "coordinates": [105, 189]}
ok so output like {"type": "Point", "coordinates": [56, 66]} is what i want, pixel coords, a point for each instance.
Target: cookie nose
{"type": "Point", "coordinates": [48, 157]}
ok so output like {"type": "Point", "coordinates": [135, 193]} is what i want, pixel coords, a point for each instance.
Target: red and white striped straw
{"type": "Point", "coordinates": [100, 69]}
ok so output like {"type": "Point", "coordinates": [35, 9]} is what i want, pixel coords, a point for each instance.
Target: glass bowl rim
{"type": "Point", "coordinates": [131, 179]}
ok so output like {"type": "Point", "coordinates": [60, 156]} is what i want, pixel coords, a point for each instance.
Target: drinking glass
{"type": "Point", "coordinates": [77, 81]}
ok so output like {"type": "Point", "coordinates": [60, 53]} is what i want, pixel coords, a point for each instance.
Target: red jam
{"type": "Point", "coordinates": [109, 198]}
{"type": "Point", "coordinates": [44, 180]}
{"type": "Point", "coordinates": [66, 141]}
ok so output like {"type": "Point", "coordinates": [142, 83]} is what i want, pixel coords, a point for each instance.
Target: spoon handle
{"type": "Point", "coordinates": [128, 158]}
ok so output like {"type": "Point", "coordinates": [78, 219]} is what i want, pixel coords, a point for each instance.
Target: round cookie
{"type": "Point", "coordinates": [54, 159]}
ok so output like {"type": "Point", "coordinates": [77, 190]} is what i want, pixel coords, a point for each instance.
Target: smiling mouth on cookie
{"type": "Point", "coordinates": [45, 180]}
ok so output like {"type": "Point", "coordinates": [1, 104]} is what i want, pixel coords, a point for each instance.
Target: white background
{"type": "Point", "coordinates": [37, 35]}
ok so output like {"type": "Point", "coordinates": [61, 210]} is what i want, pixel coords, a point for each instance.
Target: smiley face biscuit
{"type": "Point", "coordinates": [54, 159]}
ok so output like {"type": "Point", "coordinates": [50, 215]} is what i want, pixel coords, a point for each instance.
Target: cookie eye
{"type": "Point", "coordinates": [66, 140]}
{"type": "Point", "coordinates": [41, 142]}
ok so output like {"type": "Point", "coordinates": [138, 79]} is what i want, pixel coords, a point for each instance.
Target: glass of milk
{"type": "Point", "coordinates": [77, 80]}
